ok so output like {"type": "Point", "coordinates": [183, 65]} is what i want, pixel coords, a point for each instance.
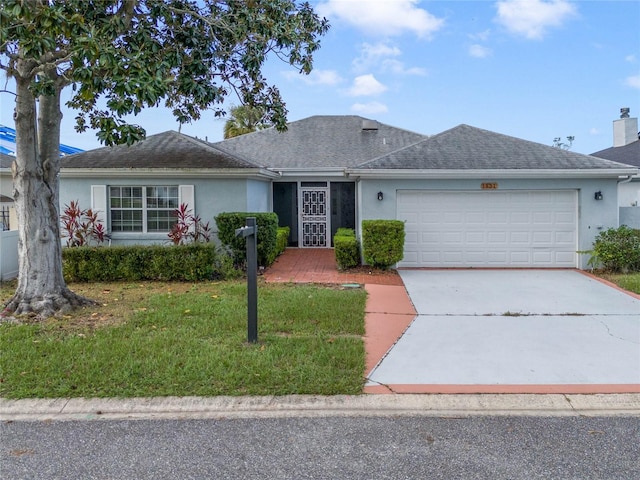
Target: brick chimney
{"type": "Point", "coordinates": [625, 130]}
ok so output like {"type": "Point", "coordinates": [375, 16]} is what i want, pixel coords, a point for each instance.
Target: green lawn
{"type": "Point", "coordinates": [159, 339]}
{"type": "Point", "coordinates": [627, 281]}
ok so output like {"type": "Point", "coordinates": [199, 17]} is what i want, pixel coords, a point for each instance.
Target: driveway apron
{"type": "Point", "coordinates": [519, 330]}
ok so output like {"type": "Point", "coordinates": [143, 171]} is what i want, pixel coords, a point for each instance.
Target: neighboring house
{"type": "Point", "coordinates": [6, 192]}
{"type": "Point", "coordinates": [8, 239]}
{"type": "Point", "coordinates": [469, 197]}
{"type": "Point", "coordinates": [626, 149]}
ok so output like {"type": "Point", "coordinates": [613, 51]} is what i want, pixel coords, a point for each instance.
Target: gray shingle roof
{"type": "Point", "coordinates": [629, 154]}
{"type": "Point", "coordinates": [163, 150]}
{"type": "Point", "coordinates": [321, 142]}
{"type": "Point", "coordinates": [6, 160]}
{"type": "Point", "coordinates": [467, 148]}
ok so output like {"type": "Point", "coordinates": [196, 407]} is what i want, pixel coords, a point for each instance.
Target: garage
{"type": "Point", "coordinates": [533, 228]}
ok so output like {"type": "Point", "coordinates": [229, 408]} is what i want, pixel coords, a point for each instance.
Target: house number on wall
{"type": "Point", "coordinates": [489, 186]}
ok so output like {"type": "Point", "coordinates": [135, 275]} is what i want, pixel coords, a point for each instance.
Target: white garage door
{"type": "Point", "coordinates": [489, 229]}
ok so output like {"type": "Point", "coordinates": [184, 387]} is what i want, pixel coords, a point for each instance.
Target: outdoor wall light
{"type": "Point", "coordinates": [598, 195]}
{"type": "Point", "coordinates": [380, 196]}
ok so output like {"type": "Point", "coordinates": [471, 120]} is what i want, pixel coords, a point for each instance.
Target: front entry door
{"type": "Point", "coordinates": [314, 226]}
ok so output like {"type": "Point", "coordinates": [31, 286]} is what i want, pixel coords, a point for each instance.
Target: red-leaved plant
{"type": "Point", "coordinates": [81, 227]}
{"type": "Point", "coordinates": [188, 227]}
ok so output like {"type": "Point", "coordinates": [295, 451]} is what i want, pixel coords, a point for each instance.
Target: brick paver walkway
{"type": "Point", "coordinates": [318, 265]}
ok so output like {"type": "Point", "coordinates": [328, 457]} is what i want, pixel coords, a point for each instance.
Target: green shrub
{"type": "Point", "coordinates": [345, 232]}
{"type": "Point", "coordinates": [267, 234]}
{"type": "Point", "coordinates": [346, 248]}
{"type": "Point", "coordinates": [282, 239]}
{"type": "Point", "coordinates": [193, 262]}
{"type": "Point", "coordinates": [616, 250]}
{"type": "Point", "coordinates": [382, 242]}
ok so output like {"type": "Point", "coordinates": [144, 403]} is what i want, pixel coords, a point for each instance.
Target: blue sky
{"type": "Point", "coordinates": [533, 69]}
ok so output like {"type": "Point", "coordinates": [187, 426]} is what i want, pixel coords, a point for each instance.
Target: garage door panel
{"type": "Point", "coordinates": [500, 218]}
{"type": "Point", "coordinates": [458, 229]}
{"type": "Point", "coordinates": [520, 257]}
{"type": "Point", "coordinates": [494, 238]}
{"type": "Point", "coordinates": [453, 218]}
{"type": "Point", "coordinates": [564, 218]}
{"type": "Point", "coordinates": [542, 238]}
{"type": "Point", "coordinates": [475, 238]}
{"type": "Point", "coordinates": [523, 218]}
{"type": "Point", "coordinates": [520, 238]}
{"type": "Point", "coordinates": [564, 257]}
{"type": "Point", "coordinates": [453, 238]}
{"type": "Point", "coordinates": [565, 238]}
{"type": "Point", "coordinates": [496, 258]}
{"type": "Point", "coordinates": [543, 218]}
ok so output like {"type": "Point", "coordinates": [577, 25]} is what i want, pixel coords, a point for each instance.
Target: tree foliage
{"type": "Point", "coordinates": [135, 54]}
{"type": "Point", "coordinates": [244, 119]}
{"type": "Point", "coordinates": [120, 56]}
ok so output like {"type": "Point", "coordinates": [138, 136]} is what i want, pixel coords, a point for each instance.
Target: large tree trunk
{"type": "Point", "coordinates": [41, 289]}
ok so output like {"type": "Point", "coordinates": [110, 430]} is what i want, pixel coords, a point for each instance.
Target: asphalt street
{"type": "Point", "coordinates": [401, 447]}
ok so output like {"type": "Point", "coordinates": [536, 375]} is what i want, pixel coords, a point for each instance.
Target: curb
{"type": "Point", "coordinates": [455, 406]}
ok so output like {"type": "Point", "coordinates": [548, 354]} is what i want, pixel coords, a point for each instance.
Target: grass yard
{"type": "Point", "coordinates": [159, 339]}
{"type": "Point", "coordinates": [627, 281]}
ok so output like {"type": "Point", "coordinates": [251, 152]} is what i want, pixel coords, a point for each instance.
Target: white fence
{"type": "Point", "coordinates": [8, 254]}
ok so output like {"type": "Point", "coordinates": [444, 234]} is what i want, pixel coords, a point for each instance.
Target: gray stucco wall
{"type": "Point", "coordinates": [593, 216]}
{"type": "Point", "coordinates": [258, 196]}
{"type": "Point", "coordinates": [630, 216]}
{"type": "Point", "coordinates": [212, 196]}
{"type": "Point", "coordinates": [629, 193]}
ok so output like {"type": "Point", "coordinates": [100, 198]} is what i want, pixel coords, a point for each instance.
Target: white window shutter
{"type": "Point", "coordinates": [99, 202]}
{"type": "Point", "coordinates": [186, 195]}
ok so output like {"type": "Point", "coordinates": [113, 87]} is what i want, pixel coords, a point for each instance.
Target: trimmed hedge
{"type": "Point", "coordinates": [617, 250]}
{"type": "Point", "coordinates": [346, 248]}
{"type": "Point", "coordinates": [193, 262]}
{"type": "Point", "coordinates": [282, 240]}
{"type": "Point", "coordinates": [267, 223]}
{"type": "Point", "coordinates": [382, 242]}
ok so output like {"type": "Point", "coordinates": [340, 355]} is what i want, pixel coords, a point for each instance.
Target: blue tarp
{"type": "Point", "coordinates": [8, 136]}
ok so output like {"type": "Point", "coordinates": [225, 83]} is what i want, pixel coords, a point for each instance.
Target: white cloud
{"type": "Point", "coordinates": [479, 51]}
{"type": "Point", "coordinates": [366, 85]}
{"type": "Point", "coordinates": [372, 54]}
{"type": "Point", "coordinates": [481, 36]}
{"type": "Point", "coordinates": [369, 108]}
{"type": "Point", "coordinates": [316, 77]}
{"type": "Point", "coordinates": [397, 67]}
{"type": "Point", "coordinates": [378, 56]}
{"type": "Point", "coordinates": [532, 18]}
{"type": "Point", "coordinates": [631, 58]}
{"type": "Point", "coordinates": [633, 81]}
{"type": "Point", "coordinates": [384, 17]}
{"type": "Point", "coordinates": [380, 49]}
{"type": "Point", "coordinates": [594, 131]}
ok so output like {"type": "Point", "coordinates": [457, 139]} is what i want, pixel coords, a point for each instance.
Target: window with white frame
{"type": "Point", "coordinates": [143, 209]}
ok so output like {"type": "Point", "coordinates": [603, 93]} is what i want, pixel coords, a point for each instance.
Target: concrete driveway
{"type": "Point", "coordinates": [522, 330]}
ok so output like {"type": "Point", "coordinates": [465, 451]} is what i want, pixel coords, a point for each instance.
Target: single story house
{"type": "Point", "coordinates": [626, 149]}
{"type": "Point", "coordinates": [469, 197]}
